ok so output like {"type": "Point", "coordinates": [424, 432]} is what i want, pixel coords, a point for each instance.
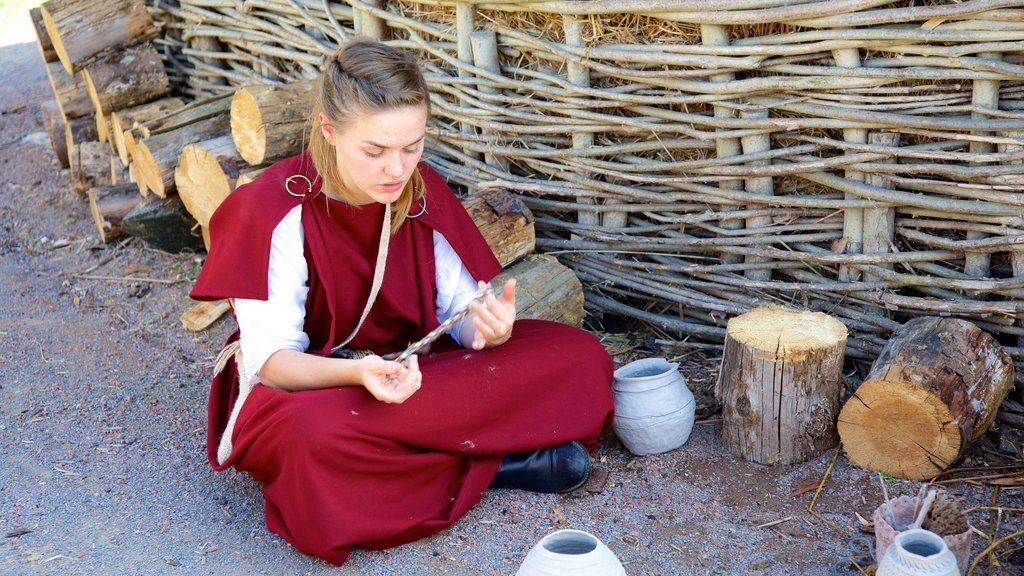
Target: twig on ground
{"type": "Point", "coordinates": [824, 478]}
{"type": "Point", "coordinates": [127, 279]}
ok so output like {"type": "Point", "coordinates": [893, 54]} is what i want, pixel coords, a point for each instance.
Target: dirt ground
{"type": "Point", "coordinates": [102, 429]}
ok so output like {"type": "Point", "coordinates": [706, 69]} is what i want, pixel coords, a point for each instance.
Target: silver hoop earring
{"type": "Point", "coordinates": [423, 209]}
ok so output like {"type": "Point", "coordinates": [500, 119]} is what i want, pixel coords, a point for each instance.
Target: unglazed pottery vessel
{"type": "Point", "coordinates": [570, 553]}
{"type": "Point", "coordinates": [918, 552]}
{"type": "Point", "coordinates": [903, 509]}
{"type": "Point", "coordinates": [654, 410]}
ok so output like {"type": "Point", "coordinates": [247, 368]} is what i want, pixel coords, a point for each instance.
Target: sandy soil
{"type": "Point", "coordinates": [102, 426]}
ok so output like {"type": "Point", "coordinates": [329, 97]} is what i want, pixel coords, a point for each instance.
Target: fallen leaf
{"type": "Point", "coordinates": [558, 516]}
{"type": "Point", "coordinates": [1014, 480]}
{"type": "Point", "coordinates": [804, 489]}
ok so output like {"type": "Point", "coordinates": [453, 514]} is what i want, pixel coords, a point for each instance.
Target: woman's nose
{"type": "Point", "coordinates": [393, 168]}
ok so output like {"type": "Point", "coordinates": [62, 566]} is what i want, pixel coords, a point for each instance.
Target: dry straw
{"type": "Point", "coordinates": [691, 159]}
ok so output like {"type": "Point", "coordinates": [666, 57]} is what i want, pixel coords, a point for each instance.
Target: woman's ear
{"type": "Point", "coordinates": [326, 128]}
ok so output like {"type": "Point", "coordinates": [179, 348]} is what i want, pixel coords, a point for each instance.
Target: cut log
{"type": "Point", "coordinates": [91, 166]}
{"type": "Point", "coordinates": [127, 118]}
{"type": "Point", "coordinates": [157, 155]}
{"type": "Point", "coordinates": [202, 315]}
{"type": "Point", "coordinates": [270, 122]}
{"type": "Point", "coordinates": [164, 224]}
{"type": "Point", "coordinates": [505, 222]}
{"type": "Point", "coordinates": [69, 91]}
{"type": "Point", "coordinates": [42, 36]}
{"type": "Point", "coordinates": [934, 390]}
{"type": "Point", "coordinates": [779, 384]}
{"type": "Point", "coordinates": [545, 289]}
{"type": "Point", "coordinates": [205, 175]}
{"type": "Point", "coordinates": [53, 122]}
{"type": "Point", "coordinates": [248, 176]}
{"type": "Point", "coordinates": [124, 79]}
{"type": "Point", "coordinates": [109, 205]}
{"type": "Point", "coordinates": [82, 29]}
{"type": "Point", "coordinates": [118, 172]}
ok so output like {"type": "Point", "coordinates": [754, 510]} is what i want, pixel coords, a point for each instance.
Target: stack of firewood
{"type": "Point", "coordinates": [156, 166]}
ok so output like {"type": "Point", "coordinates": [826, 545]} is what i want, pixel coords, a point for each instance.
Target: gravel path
{"type": "Point", "coordinates": [102, 425]}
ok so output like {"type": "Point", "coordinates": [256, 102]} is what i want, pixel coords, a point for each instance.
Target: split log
{"type": "Point", "coordinates": [77, 131]}
{"type": "Point", "coordinates": [934, 390]}
{"type": "Point", "coordinates": [53, 122]}
{"type": "Point", "coordinates": [269, 122]}
{"type": "Point", "coordinates": [42, 36]}
{"type": "Point", "coordinates": [202, 315]}
{"type": "Point", "coordinates": [123, 79]}
{"type": "Point", "coordinates": [779, 384]}
{"type": "Point", "coordinates": [82, 29]}
{"type": "Point", "coordinates": [91, 166]}
{"type": "Point", "coordinates": [505, 222]}
{"type": "Point", "coordinates": [109, 205]}
{"type": "Point", "coordinates": [126, 119]}
{"type": "Point", "coordinates": [206, 173]}
{"type": "Point", "coordinates": [164, 224]}
{"type": "Point", "coordinates": [69, 91]}
{"type": "Point", "coordinates": [157, 155]}
{"type": "Point", "coordinates": [545, 289]}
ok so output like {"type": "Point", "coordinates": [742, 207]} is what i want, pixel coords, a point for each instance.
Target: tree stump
{"type": "Point", "coordinates": [779, 384]}
{"type": "Point", "coordinates": [934, 389]}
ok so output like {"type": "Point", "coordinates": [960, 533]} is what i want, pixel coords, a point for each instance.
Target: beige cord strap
{"type": "Point", "coordinates": [378, 275]}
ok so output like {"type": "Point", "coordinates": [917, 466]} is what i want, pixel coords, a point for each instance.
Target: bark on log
{"type": "Point", "coordinates": [205, 175]}
{"type": "Point", "coordinates": [109, 205]}
{"type": "Point", "coordinates": [505, 222]}
{"type": "Point", "coordinates": [91, 166]}
{"type": "Point", "coordinates": [164, 224]}
{"type": "Point", "coordinates": [127, 118]}
{"type": "Point", "coordinates": [545, 289]}
{"type": "Point", "coordinates": [42, 36]}
{"type": "Point", "coordinates": [53, 122]}
{"type": "Point", "coordinates": [270, 122]}
{"type": "Point", "coordinates": [779, 384]}
{"type": "Point", "coordinates": [934, 390]}
{"type": "Point", "coordinates": [156, 156]}
{"type": "Point", "coordinates": [124, 79]}
{"type": "Point", "coordinates": [118, 172]}
{"type": "Point", "coordinates": [69, 91]}
{"type": "Point", "coordinates": [82, 29]}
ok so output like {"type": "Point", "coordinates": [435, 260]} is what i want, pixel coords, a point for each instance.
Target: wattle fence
{"type": "Point", "coordinates": [691, 159]}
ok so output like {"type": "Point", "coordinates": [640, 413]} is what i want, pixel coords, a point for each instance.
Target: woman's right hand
{"type": "Point", "coordinates": [388, 381]}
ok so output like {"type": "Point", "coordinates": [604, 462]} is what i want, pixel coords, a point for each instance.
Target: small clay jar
{"type": "Point", "coordinates": [570, 553]}
{"type": "Point", "coordinates": [918, 552]}
{"type": "Point", "coordinates": [654, 410]}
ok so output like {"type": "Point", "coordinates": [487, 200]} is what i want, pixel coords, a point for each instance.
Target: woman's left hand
{"type": "Point", "coordinates": [493, 318]}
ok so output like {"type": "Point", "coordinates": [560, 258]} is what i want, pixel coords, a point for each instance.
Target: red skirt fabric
{"type": "Point", "coordinates": [341, 469]}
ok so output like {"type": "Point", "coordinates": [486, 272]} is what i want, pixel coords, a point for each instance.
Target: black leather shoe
{"type": "Point", "coordinates": [561, 468]}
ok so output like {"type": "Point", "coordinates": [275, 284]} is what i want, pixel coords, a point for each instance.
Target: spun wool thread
{"type": "Point", "coordinates": [436, 332]}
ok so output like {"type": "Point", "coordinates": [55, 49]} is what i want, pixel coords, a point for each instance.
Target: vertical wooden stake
{"type": "Point", "coordinates": [761, 185]}
{"type": "Point", "coordinates": [853, 218]}
{"type": "Point", "coordinates": [879, 223]}
{"type": "Point", "coordinates": [579, 75]}
{"type": "Point", "coordinates": [718, 35]}
{"type": "Point", "coordinates": [985, 94]}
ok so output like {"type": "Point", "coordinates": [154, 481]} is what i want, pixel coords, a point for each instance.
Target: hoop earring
{"type": "Point", "coordinates": [288, 183]}
{"type": "Point", "coordinates": [423, 209]}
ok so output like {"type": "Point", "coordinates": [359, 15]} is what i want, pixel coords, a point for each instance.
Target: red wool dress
{"type": "Point", "coordinates": [339, 468]}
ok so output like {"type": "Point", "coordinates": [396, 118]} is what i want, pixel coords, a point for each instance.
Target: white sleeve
{"type": "Point", "coordinates": [455, 286]}
{"type": "Point", "coordinates": [277, 323]}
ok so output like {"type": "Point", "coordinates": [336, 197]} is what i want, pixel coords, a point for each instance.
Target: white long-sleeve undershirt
{"type": "Point", "coordinates": [277, 323]}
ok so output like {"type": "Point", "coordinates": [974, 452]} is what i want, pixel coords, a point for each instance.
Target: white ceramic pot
{"type": "Point", "coordinates": [570, 553]}
{"type": "Point", "coordinates": [918, 552]}
{"type": "Point", "coordinates": [654, 410]}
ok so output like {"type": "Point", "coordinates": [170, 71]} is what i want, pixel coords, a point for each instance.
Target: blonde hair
{"type": "Point", "coordinates": [365, 76]}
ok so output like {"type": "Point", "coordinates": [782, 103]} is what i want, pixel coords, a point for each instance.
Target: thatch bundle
{"type": "Point", "coordinates": [693, 158]}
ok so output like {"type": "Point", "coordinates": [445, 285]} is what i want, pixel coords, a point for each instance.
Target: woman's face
{"type": "Point", "coordinates": [377, 152]}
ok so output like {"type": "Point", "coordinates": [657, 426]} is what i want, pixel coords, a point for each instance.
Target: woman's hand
{"type": "Point", "coordinates": [390, 382]}
{"type": "Point", "coordinates": [493, 318]}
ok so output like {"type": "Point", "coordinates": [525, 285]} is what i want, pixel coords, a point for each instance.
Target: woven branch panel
{"type": "Point", "coordinates": [691, 159]}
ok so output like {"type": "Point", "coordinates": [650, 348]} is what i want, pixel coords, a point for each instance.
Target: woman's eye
{"type": "Point", "coordinates": [374, 154]}
{"type": "Point", "coordinates": [412, 150]}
